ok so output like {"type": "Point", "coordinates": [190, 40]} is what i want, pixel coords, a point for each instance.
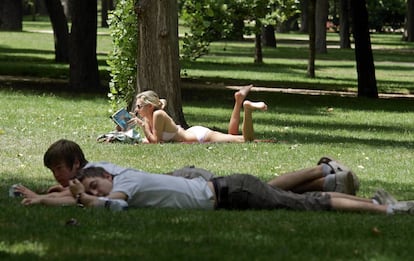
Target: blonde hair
{"type": "Point", "coordinates": [151, 97]}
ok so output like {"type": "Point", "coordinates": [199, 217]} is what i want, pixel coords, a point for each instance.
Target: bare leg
{"type": "Point", "coordinates": [248, 131]}
{"type": "Point", "coordinates": [347, 196]}
{"type": "Point", "coordinates": [312, 185]}
{"type": "Point", "coordinates": [347, 204]}
{"type": "Point", "coordinates": [297, 179]}
{"type": "Point", "coordinates": [239, 97]}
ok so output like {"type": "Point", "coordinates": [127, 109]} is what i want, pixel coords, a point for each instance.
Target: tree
{"type": "Point", "coordinates": [268, 36]}
{"type": "Point", "coordinates": [11, 14]}
{"type": "Point", "coordinates": [409, 31]}
{"type": "Point", "coordinates": [158, 53]}
{"type": "Point", "coordinates": [106, 6]}
{"type": "Point", "coordinates": [122, 60]}
{"type": "Point", "coordinates": [84, 74]}
{"type": "Point", "coordinates": [367, 84]}
{"type": "Point", "coordinates": [311, 29]}
{"type": "Point", "coordinates": [321, 17]}
{"type": "Point", "coordinates": [344, 26]}
{"type": "Point", "coordinates": [304, 19]}
{"type": "Point", "coordinates": [67, 6]}
{"type": "Point", "coordinates": [60, 29]}
{"type": "Point", "coordinates": [386, 15]}
{"type": "Point", "coordinates": [258, 53]}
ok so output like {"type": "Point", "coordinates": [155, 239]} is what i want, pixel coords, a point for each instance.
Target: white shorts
{"type": "Point", "coordinates": [200, 132]}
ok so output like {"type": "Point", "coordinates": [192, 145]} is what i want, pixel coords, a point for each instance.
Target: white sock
{"type": "Point", "coordinates": [390, 211]}
{"type": "Point", "coordinates": [329, 183]}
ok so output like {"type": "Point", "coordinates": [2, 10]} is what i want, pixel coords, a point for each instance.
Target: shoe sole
{"type": "Point", "coordinates": [348, 185]}
{"type": "Point", "coordinates": [327, 159]}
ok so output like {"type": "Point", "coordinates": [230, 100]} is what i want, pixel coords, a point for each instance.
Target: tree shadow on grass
{"type": "Point", "coordinates": [304, 104]}
{"type": "Point", "coordinates": [296, 104]}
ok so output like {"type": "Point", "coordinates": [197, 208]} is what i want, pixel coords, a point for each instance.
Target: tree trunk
{"type": "Point", "coordinates": [344, 39]}
{"type": "Point", "coordinates": [238, 27]}
{"type": "Point", "coordinates": [304, 19]}
{"type": "Point", "coordinates": [311, 29]}
{"type": "Point", "coordinates": [11, 15]}
{"type": "Point", "coordinates": [67, 7]}
{"type": "Point", "coordinates": [84, 73]}
{"type": "Point", "coordinates": [41, 7]}
{"type": "Point", "coordinates": [158, 53]}
{"type": "Point", "coordinates": [60, 30]}
{"type": "Point", "coordinates": [367, 84]}
{"type": "Point", "coordinates": [409, 32]}
{"type": "Point", "coordinates": [321, 17]}
{"type": "Point", "coordinates": [258, 54]}
{"type": "Point", "coordinates": [268, 36]}
{"type": "Point", "coordinates": [107, 5]}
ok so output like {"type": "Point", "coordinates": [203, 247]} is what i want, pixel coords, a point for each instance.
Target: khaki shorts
{"type": "Point", "coordinates": [242, 191]}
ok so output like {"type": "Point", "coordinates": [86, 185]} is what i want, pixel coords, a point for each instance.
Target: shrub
{"type": "Point", "coordinates": [122, 60]}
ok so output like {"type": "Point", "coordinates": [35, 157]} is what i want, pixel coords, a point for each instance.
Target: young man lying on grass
{"type": "Point", "coordinates": [95, 187]}
{"type": "Point", "coordinates": [64, 158]}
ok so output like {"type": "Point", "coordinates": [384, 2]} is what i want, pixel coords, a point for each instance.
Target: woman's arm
{"type": "Point", "coordinates": [151, 138]}
{"type": "Point", "coordinates": [159, 121]}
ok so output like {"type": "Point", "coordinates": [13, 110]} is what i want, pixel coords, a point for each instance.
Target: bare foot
{"type": "Point", "coordinates": [254, 105]}
{"type": "Point", "coordinates": [241, 94]}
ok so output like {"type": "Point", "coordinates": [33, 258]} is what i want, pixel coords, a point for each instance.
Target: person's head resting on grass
{"type": "Point", "coordinates": [64, 158]}
{"type": "Point", "coordinates": [96, 181]}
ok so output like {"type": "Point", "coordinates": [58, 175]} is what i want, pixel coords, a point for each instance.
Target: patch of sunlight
{"type": "Point", "coordinates": [23, 247]}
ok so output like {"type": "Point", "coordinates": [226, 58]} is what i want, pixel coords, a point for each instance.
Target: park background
{"type": "Point", "coordinates": [372, 136]}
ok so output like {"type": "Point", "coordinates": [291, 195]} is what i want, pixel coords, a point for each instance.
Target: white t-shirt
{"type": "Point", "coordinates": [163, 191]}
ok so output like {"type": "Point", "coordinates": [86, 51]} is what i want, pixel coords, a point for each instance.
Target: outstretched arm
{"type": "Point", "coordinates": [50, 201]}
{"type": "Point", "coordinates": [27, 193]}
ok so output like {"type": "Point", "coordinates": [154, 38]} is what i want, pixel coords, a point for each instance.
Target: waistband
{"type": "Point", "coordinates": [222, 192]}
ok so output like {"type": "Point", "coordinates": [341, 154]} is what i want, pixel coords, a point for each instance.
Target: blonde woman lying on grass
{"type": "Point", "coordinates": [159, 127]}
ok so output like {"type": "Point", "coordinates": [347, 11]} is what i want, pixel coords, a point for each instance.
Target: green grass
{"type": "Point", "coordinates": [373, 137]}
{"type": "Point", "coordinates": [286, 65]}
{"type": "Point", "coordinates": [31, 53]}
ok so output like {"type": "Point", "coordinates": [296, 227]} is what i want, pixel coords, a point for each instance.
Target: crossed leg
{"type": "Point", "coordinates": [304, 180]}
{"type": "Point", "coordinates": [239, 97]}
{"type": "Point", "coordinates": [249, 107]}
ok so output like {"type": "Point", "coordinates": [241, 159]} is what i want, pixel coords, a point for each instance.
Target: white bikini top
{"type": "Point", "coordinates": [167, 136]}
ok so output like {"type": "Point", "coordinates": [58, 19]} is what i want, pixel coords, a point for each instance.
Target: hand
{"type": "Point", "coordinates": [139, 121]}
{"type": "Point", "coordinates": [56, 188]}
{"type": "Point", "coordinates": [76, 187]}
{"type": "Point", "coordinates": [132, 122]}
{"type": "Point", "coordinates": [27, 193]}
{"type": "Point", "coordinates": [31, 201]}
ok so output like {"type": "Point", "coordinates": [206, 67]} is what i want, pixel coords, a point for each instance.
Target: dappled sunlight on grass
{"type": "Point", "coordinates": [24, 249]}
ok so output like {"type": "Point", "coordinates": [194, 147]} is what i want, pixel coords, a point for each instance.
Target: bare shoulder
{"type": "Point", "coordinates": [161, 114]}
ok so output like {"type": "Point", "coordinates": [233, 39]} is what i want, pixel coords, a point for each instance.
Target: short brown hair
{"type": "Point", "coordinates": [64, 151]}
{"type": "Point", "coordinates": [91, 172]}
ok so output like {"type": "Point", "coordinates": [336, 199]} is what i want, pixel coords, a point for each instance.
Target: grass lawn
{"type": "Point", "coordinates": [373, 137]}
{"type": "Point", "coordinates": [31, 53]}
